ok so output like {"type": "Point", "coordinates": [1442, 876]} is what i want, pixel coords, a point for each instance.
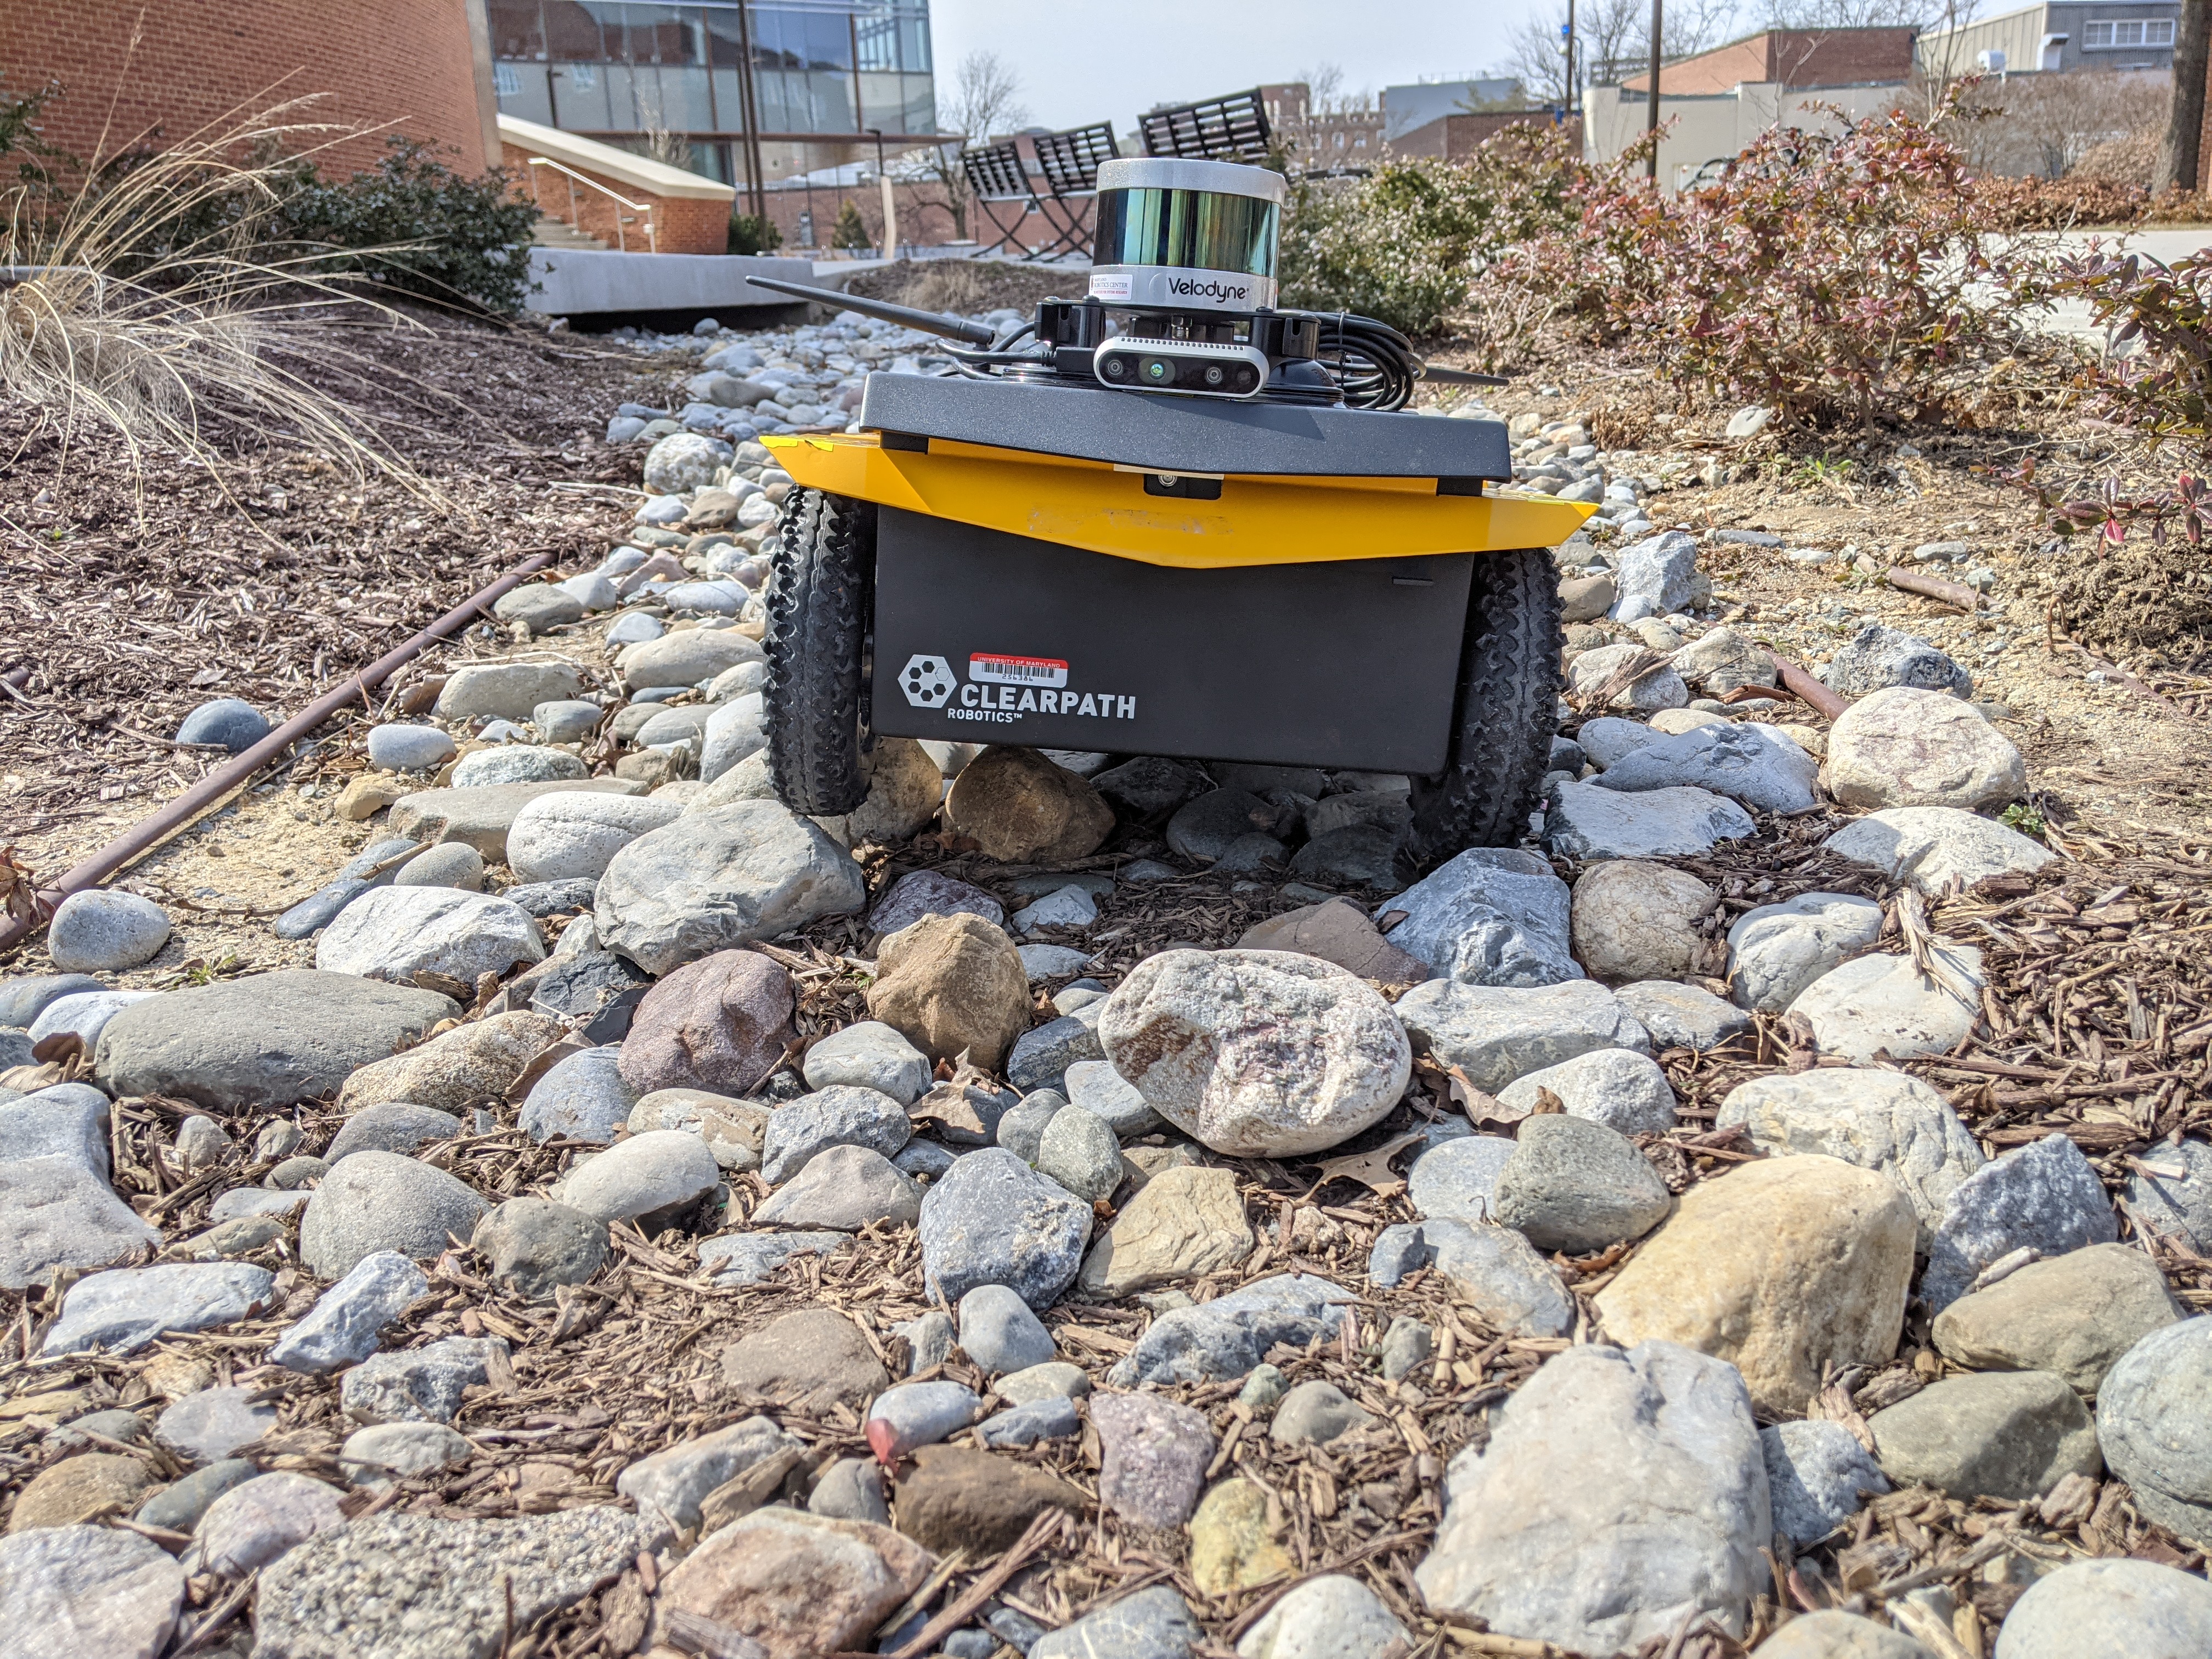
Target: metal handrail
{"type": "Point", "coordinates": [574, 178]}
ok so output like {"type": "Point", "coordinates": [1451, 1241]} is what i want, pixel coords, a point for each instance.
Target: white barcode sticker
{"type": "Point", "coordinates": [1114, 285]}
{"type": "Point", "coordinates": [1016, 671]}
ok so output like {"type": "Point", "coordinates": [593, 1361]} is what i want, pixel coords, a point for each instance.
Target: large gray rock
{"type": "Point", "coordinates": [518, 763]}
{"type": "Point", "coordinates": [738, 1259]}
{"type": "Point", "coordinates": [582, 1097]}
{"type": "Point", "coordinates": [844, 1188]}
{"type": "Point", "coordinates": [1082, 1153]}
{"type": "Point", "coordinates": [123, 1309]}
{"type": "Point", "coordinates": [672, 1482]}
{"type": "Point", "coordinates": [1887, 1121]}
{"type": "Point", "coordinates": [1656, 576]}
{"type": "Point", "coordinates": [1153, 1624]}
{"type": "Point", "coordinates": [1623, 1091]}
{"type": "Point", "coordinates": [395, 932]}
{"type": "Point", "coordinates": [2074, 1315]}
{"type": "Point", "coordinates": [344, 1326]}
{"type": "Point", "coordinates": [1040, 1056]}
{"type": "Point", "coordinates": [2043, 1196]}
{"type": "Point", "coordinates": [484, 816]}
{"type": "Point", "coordinates": [1815, 1472]}
{"type": "Point", "coordinates": [391, 1126]}
{"type": "Point", "coordinates": [257, 1521]}
{"type": "Point", "coordinates": [509, 690]}
{"type": "Point", "coordinates": [1456, 1179]}
{"type": "Point", "coordinates": [1589, 820]}
{"type": "Point", "coordinates": [870, 1055]}
{"type": "Point", "coordinates": [991, 1219]}
{"type": "Point", "coordinates": [381, 1201]}
{"type": "Point", "coordinates": [2170, 1193]}
{"type": "Point", "coordinates": [418, 1385]}
{"type": "Point", "coordinates": [1494, 1270]}
{"type": "Point", "coordinates": [377, 865]}
{"type": "Point", "coordinates": [842, 1115]}
{"type": "Point", "coordinates": [1745, 760]}
{"type": "Point", "coordinates": [262, 1040]}
{"type": "Point", "coordinates": [84, 1015]}
{"type": "Point", "coordinates": [209, 1424]}
{"type": "Point", "coordinates": [100, 929]}
{"type": "Point", "coordinates": [1228, 1336]}
{"type": "Point", "coordinates": [1496, 1034]}
{"type": "Point", "coordinates": [22, 1001]}
{"type": "Point", "coordinates": [55, 1213]}
{"type": "Point", "coordinates": [416, 1587]}
{"type": "Point", "coordinates": [1634, 919]}
{"type": "Point", "coordinates": [1876, 657]}
{"type": "Point", "coordinates": [1256, 1052]}
{"type": "Point", "coordinates": [2110, 1609]}
{"type": "Point", "coordinates": [1880, 1005]}
{"type": "Point", "coordinates": [1678, 1016]}
{"type": "Point", "coordinates": [1907, 748]}
{"type": "Point", "coordinates": [1777, 950]}
{"type": "Point", "coordinates": [571, 834]}
{"type": "Point", "coordinates": [1618, 1493]}
{"type": "Point", "coordinates": [535, 1246]}
{"type": "Point", "coordinates": [1930, 846]}
{"type": "Point", "coordinates": [713, 880]}
{"type": "Point", "coordinates": [2152, 1420]}
{"type": "Point", "coordinates": [66, 1120]}
{"type": "Point", "coordinates": [1576, 1186]}
{"type": "Point", "coordinates": [661, 1172]}
{"type": "Point", "coordinates": [89, 1590]}
{"type": "Point", "coordinates": [1489, 916]}
{"type": "Point", "coordinates": [686, 658]}
{"type": "Point", "coordinates": [2008, 1435]}
{"type": "Point", "coordinates": [1660, 687]}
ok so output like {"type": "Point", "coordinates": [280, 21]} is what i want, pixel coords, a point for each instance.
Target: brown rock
{"type": "Point", "coordinates": [1022, 809]}
{"type": "Point", "coordinates": [801, 1585]}
{"type": "Point", "coordinates": [82, 1488]}
{"type": "Point", "coordinates": [905, 789]}
{"type": "Point", "coordinates": [1634, 920]}
{"type": "Point", "coordinates": [712, 509]}
{"type": "Point", "coordinates": [719, 1023]}
{"type": "Point", "coordinates": [2074, 1315]}
{"type": "Point", "coordinates": [813, 1358]}
{"type": "Point", "coordinates": [1585, 599]}
{"type": "Point", "coordinates": [1183, 1223]}
{"type": "Point", "coordinates": [953, 1496]}
{"type": "Point", "coordinates": [1153, 1456]}
{"type": "Point", "coordinates": [1230, 1549]}
{"type": "Point", "coordinates": [369, 795]}
{"type": "Point", "coordinates": [467, 1066]}
{"type": "Point", "coordinates": [1339, 931]}
{"type": "Point", "coordinates": [949, 984]}
{"type": "Point", "coordinates": [1784, 1268]}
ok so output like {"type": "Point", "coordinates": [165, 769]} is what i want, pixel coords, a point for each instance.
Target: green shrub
{"type": "Point", "coordinates": [751, 232]}
{"type": "Point", "coordinates": [849, 232]}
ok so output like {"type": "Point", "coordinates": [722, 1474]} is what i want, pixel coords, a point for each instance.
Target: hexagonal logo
{"type": "Point", "coordinates": [927, 681]}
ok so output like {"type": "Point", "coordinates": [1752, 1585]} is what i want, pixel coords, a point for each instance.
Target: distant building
{"type": "Point", "coordinates": [1714, 104]}
{"type": "Point", "coordinates": [1321, 140]}
{"type": "Point", "coordinates": [2060, 36]}
{"type": "Point", "coordinates": [1406, 108]}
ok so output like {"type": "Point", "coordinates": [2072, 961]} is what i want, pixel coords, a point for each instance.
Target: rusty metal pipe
{"type": "Point", "coordinates": [148, 832]}
{"type": "Point", "coordinates": [1808, 690]}
{"type": "Point", "coordinates": [1934, 587]}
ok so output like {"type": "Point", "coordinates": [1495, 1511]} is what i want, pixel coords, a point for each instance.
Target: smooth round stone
{"type": "Point", "coordinates": [635, 629]}
{"type": "Point", "coordinates": [2110, 1609]}
{"type": "Point", "coordinates": [567, 721]}
{"type": "Point", "coordinates": [397, 747]}
{"type": "Point", "coordinates": [236, 725]}
{"type": "Point", "coordinates": [450, 864]}
{"type": "Point", "coordinates": [85, 1013]}
{"type": "Point", "coordinates": [102, 930]}
{"type": "Point", "coordinates": [1081, 1152]}
{"type": "Point", "coordinates": [520, 762]}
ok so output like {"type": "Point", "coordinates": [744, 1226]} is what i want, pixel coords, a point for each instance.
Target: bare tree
{"type": "Point", "coordinates": [986, 103]}
{"type": "Point", "coordinates": [2177, 159]}
{"type": "Point", "coordinates": [2046, 125]}
{"type": "Point", "coordinates": [1612, 40]}
{"type": "Point", "coordinates": [1849, 14]}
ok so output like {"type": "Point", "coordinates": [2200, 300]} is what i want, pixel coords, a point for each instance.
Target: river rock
{"type": "Point", "coordinates": [484, 816]}
{"type": "Point", "coordinates": [582, 1097]}
{"type": "Point", "coordinates": [732, 1129]}
{"type": "Point", "coordinates": [1496, 1034]}
{"type": "Point", "coordinates": [1930, 846]}
{"type": "Point", "coordinates": [688, 657]}
{"type": "Point", "coordinates": [1777, 950]}
{"type": "Point", "coordinates": [395, 932]}
{"type": "Point", "coordinates": [1604, 740]}
{"type": "Point", "coordinates": [1619, 1492]}
{"type": "Point", "coordinates": [1886, 1121]}
{"type": "Point", "coordinates": [1204, 829]}
{"type": "Point", "coordinates": [992, 1220]}
{"type": "Point", "coordinates": [396, 1126]}
{"type": "Point", "coordinates": [812, 1359]}
{"type": "Point", "coordinates": [67, 1121]}
{"type": "Point", "coordinates": [719, 1023]}
{"type": "Point", "coordinates": [789, 1584]}
{"type": "Point", "coordinates": [1154, 1453]}
{"type": "Point", "coordinates": [418, 1385]}
{"type": "Point", "coordinates": [452, 863]}
{"type": "Point", "coordinates": [711, 881]}
{"type": "Point", "coordinates": [1656, 575]}
{"type": "Point", "coordinates": [905, 789]}
{"type": "Point", "coordinates": [952, 984]}
{"type": "Point", "coordinates": [1659, 687]}
{"type": "Point", "coordinates": [518, 763]}
{"type": "Point", "coordinates": [84, 1015]}
{"type": "Point", "coordinates": [1021, 809]}
{"type": "Point", "coordinates": [567, 835]}
{"type": "Point", "coordinates": [1880, 1005]}
{"type": "Point", "coordinates": [869, 1055]}
{"type": "Point", "coordinates": [1576, 1186]}
{"type": "Point", "coordinates": [2075, 1316]}
{"type": "Point", "coordinates": [1496, 1271]}
{"type": "Point", "coordinates": [90, 1590]}
{"type": "Point", "coordinates": [1744, 760]}
{"type": "Point", "coordinates": [1334, 1616]}
{"type": "Point", "coordinates": [1586, 821]}
{"type": "Point", "coordinates": [1338, 930]}
{"type": "Point", "coordinates": [1225, 1338]}
{"type": "Point", "coordinates": [1183, 1224]}
{"type": "Point", "coordinates": [1096, 1087]}
{"type": "Point", "coordinates": [643, 1177]}
{"type": "Point", "coordinates": [535, 1245]}
{"type": "Point", "coordinates": [258, 1520]}
{"type": "Point", "coordinates": [2170, 1192]}
{"type": "Point", "coordinates": [397, 747]}
{"type": "Point", "coordinates": [23, 999]}
{"type": "Point", "coordinates": [126, 1308]}
{"type": "Point", "coordinates": [380, 1201]}
{"type": "Point", "coordinates": [922, 893]}
{"type": "Point", "coordinates": [2109, 1609]}
{"type": "Point", "coordinates": [507, 689]}
{"type": "Point", "coordinates": [2043, 1196]}
{"type": "Point", "coordinates": [1041, 1056]}
{"type": "Point", "coordinates": [841, 1116]}
{"type": "Point", "coordinates": [377, 1454]}
{"type": "Point", "coordinates": [919, 1414]}
{"type": "Point", "coordinates": [1456, 1178]}
{"type": "Point", "coordinates": [1815, 1471]}
{"type": "Point", "coordinates": [844, 1188]}
{"type": "Point", "coordinates": [1877, 659]}
{"type": "Point", "coordinates": [455, 1070]}
{"type": "Point", "coordinates": [102, 929]}
{"type": "Point", "coordinates": [1082, 1153]}
{"type": "Point", "coordinates": [1153, 1624]}
{"type": "Point", "coordinates": [1315, 1413]}
{"type": "Point", "coordinates": [1255, 1052]}
{"type": "Point", "coordinates": [1623, 1090]}
{"type": "Point", "coordinates": [344, 1326]}
{"type": "Point", "coordinates": [2007, 1435]}
{"type": "Point", "coordinates": [210, 1424]}
{"type": "Point", "coordinates": [1787, 1269]}
{"type": "Point", "coordinates": [1903, 747]}
{"type": "Point", "coordinates": [2151, 1420]}
{"type": "Point", "coordinates": [1489, 916]}
{"type": "Point", "coordinates": [89, 1486]}
{"type": "Point", "coordinates": [1633, 920]}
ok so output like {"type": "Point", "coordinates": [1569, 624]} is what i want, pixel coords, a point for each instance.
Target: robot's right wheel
{"type": "Point", "coordinates": [820, 602]}
{"type": "Point", "coordinates": [1506, 712]}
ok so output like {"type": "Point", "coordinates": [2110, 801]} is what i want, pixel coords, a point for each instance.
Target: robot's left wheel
{"type": "Point", "coordinates": [820, 602]}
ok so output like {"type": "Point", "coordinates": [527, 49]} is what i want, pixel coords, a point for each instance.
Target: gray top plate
{"type": "Point", "coordinates": [1187, 434]}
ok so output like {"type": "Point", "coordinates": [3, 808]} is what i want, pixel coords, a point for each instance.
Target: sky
{"type": "Point", "coordinates": [1081, 61]}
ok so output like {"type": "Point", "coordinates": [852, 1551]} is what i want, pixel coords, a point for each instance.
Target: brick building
{"type": "Point", "coordinates": [615, 196]}
{"type": "Point", "coordinates": [1790, 58]}
{"type": "Point", "coordinates": [418, 67]}
{"type": "Point", "coordinates": [1455, 138]}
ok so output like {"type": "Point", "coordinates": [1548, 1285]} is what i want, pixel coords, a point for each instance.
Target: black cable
{"type": "Point", "coordinates": [1373, 363]}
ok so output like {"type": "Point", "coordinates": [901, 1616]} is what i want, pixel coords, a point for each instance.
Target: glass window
{"type": "Point", "coordinates": [2117, 33]}
{"type": "Point", "coordinates": [1195, 229]}
{"type": "Point", "coordinates": [507, 79]}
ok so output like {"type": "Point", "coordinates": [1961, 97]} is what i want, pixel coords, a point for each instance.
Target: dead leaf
{"type": "Point", "coordinates": [1370, 1169]}
{"type": "Point", "coordinates": [1547, 1103]}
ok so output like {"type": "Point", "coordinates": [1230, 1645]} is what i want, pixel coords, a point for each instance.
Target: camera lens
{"type": "Point", "coordinates": [1159, 371]}
{"type": "Point", "coordinates": [1213, 374]}
{"type": "Point", "coordinates": [1115, 369]}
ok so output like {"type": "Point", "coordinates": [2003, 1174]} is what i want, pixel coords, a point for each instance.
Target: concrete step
{"type": "Point", "coordinates": [550, 232]}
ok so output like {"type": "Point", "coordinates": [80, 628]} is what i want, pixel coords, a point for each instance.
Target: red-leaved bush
{"type": "Point", "coordinates": [1840, 276]}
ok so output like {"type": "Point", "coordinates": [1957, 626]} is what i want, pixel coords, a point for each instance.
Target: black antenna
{"type": "Point", "coordinates": [930, 322]}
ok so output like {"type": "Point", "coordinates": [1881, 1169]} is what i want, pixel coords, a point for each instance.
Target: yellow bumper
{"type": "Point", "coordinates": [1094, 506]}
